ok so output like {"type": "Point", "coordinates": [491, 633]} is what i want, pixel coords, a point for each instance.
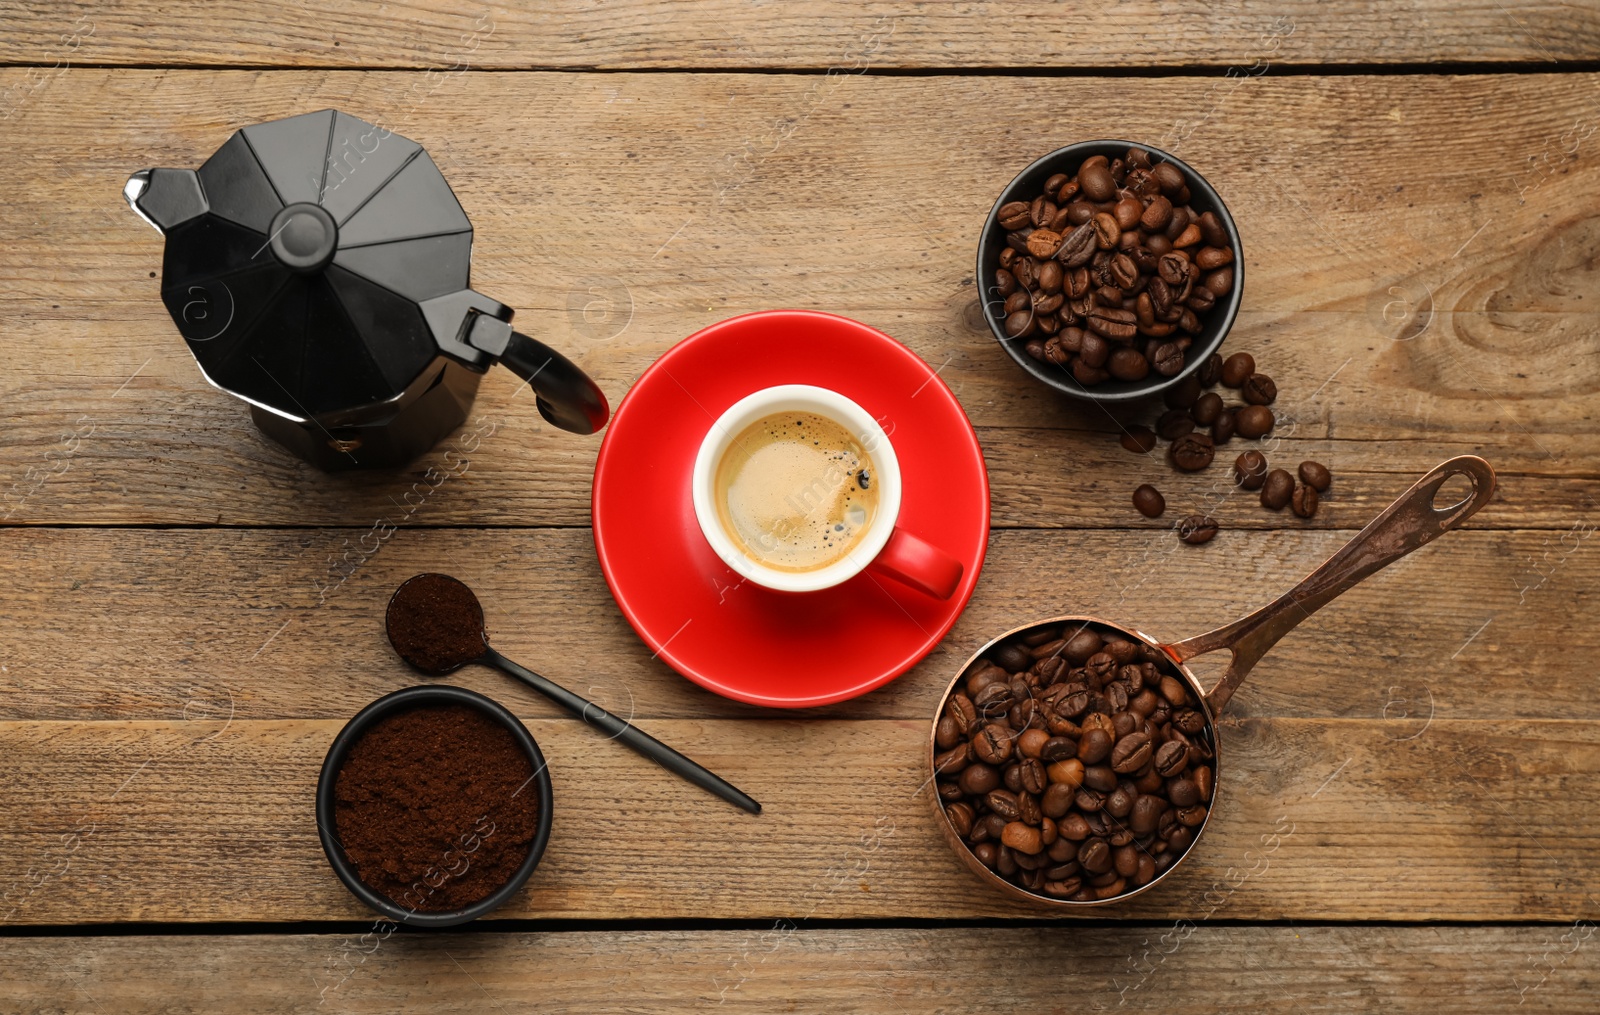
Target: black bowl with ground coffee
{"type": "Point", "coordinates": [434, 805]}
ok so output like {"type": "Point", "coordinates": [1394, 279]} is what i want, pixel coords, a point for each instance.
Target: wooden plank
{"type": "Point", "coordinates": [1301, 970]}
{"type": "Point", "coordinates": [815, 34]}
{"type": "Point", "coordinates": [202, 820]}
{"type": "Point", "coordinates": [867, 206]}
{"type": "Point", "coordinates": [135, 624]}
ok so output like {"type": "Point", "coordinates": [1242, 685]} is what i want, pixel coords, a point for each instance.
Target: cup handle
{"type": "Point", "coordinates": [919, 564]}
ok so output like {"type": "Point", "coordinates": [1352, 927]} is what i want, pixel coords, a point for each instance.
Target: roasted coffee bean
{"type": "Point", "coordinates": [1068, 772]}
{"type": "Point", "coordinates": [1203, 781]}
{"type": "Point", "coordinates": [1128, 365]}
{"type": "Point", "coordinates": [1044, 243]}
{"type": "Point", "coordinates": [1131, 753]}
{"type": "Point", "coordinates": [1083, 643]}
{"type": "Point", "coordinates": [954, 760]}
{"type": "Point", "coordinates": [1211, 371]}
{"type": "Point", "coordinates": [1147, 500]}
{"type": "Point", "coordinates": [1183, 394]}
{"type": "Point", "coordinates": [1078, 246]}
{"type": "Point", "coordinates": [1174, 423]}
{"type": "Point", "coordinates": [1050, 277]}
{"type": "Point", "coordinates": [1315, 475]}
{"type": "Point", "coordinates": [1172, 758]}
{"type": "Point", "coordinates": [1189, 720]}
{"type": "Point", "coordinates": [1304, 501]}
{"type": "Point", "coordinates": [992, 745]}
{"type": "Point", "coordinates": [1011, 656]}
{"type": "Point", "coordinates": [1236, 369]}
{"type": "Point", "coordinates": [1022, 837]}
{"type": "Point", "coordinates": [1094, 176]}
{"type": "Point", "coordinates": [1250, 470]}
{"type": "Point", "coordinates": [978, 779]}
{"type": "Point", "coordinates": [1089, 801]}
{"type": "Point", "coordinates": [1139, 439]}
{"type": "Point", "coordinates": [1099, 778]}
{"type": "Point", "coordinates": [1120, 801]}
{"type": "Point", "coordinates": [1157, 214]}
{"type": "Point", "coordinates": [1058, 748]}
{"type": "Point", "coordinates": [1223, 429]}
{"type": "Point", "coordinates": [1196, 529]}
{"type": "Point", "coordinates": [961, 709]}
{"type": "Point", "coordinates": [946, 735]}
{"type": "Point", "coordinates": [1209, 258]}
{"type": "Point", "coordinates": [1206, 408]}
{"type": "Point", "coordinates": [1277, 490]}
{"type": "Point", "coordinates": [1030, 743]}
{"type": "Point", "coordinates": [1032, 774]}
{"type": "Point", "coordinates": [1124, 273]}
{"type": "Point", "coordinates": [1183, 792]}
{"type": "Point", "coordinates": [1019, 324]}
{"type": "Point", "coordinates": [1116, 324]}
{"type": "Point", "coordinates": [960, 815]}
{"type": "Point", "coordinates": [1106, 231]}
{"type": "Point", "coordinates": [1056, 799]}
{"type": "Point", "coordinates": [1168, 359]}
{"type": "Point", "coordinates": [1253, 421]}
{"type": "Point", "coordinates": [1095, 856]}
{"type": "Point", "coordinates": [1192, 817]}
{"type": "Point", "coordinates": [1014, 215]}
{"type": "Point", "coordinates": [1220, 282]}
{"type": "Point", "coordinates": [1094, 350]}
{"type": "Point", "coordinates": [1259, 389]}
{"type": "Point", "coordinates": [1191, 452]}
{"type": "Point", "coordinates": [1003, 802]}
{"type": "Point", "coordinates": [1094, 746]}
{"type": "Point", "coordinates": [1168, 177]}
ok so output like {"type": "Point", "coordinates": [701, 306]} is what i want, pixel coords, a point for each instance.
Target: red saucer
{"type": "Point", "coordinates": [732, 636]}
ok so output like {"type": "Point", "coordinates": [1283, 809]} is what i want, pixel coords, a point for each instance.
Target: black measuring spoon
{"type": "Point", "coordinates": [435, 623]}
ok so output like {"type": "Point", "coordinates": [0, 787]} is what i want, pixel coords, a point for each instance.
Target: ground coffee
{"type": "Point", "coordinates": [435, 623]}
{"type": "Point", "coordinates": [436, 807]}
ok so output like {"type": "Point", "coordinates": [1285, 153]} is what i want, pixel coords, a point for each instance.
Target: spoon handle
{"type": "Point", "coordinates": [1412, 521]}
{"type": "Point", "coordinates": [621, 729]}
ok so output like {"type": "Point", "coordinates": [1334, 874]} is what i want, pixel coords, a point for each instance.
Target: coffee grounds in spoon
{"type": "Point", "coordinates": [435, 807]}
{"type": "Point", "coordinates": [435, 623]}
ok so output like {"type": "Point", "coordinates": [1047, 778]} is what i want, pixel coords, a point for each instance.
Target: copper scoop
{"type": "Point", "coordinates": [1410, 522]}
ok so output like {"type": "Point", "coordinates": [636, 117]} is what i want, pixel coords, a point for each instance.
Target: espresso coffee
{"type": "Point", "coordinates": [796, 491]}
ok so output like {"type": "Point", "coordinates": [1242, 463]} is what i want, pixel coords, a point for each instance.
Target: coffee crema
{"type": "Point", "coordinates": [796, 491]}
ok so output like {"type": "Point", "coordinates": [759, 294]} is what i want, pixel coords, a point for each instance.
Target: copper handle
{"type": "Point", "coordinates": [1410, 522]}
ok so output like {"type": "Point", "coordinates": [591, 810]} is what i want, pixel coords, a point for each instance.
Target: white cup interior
{"type": "Point", "coordinates": [797, 398]}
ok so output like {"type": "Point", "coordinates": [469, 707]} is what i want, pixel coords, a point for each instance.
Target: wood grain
{"type": "Point", "coordinates": [1300, 970]}
{"type": "Point", "coordinates": [1317, 820]}
{"type": "Point", "coordinates": [136, 624]}
{"type": "Point", "coordinates": [709, 34]}
{"type": "Point", "coordinates": [1436, 301]}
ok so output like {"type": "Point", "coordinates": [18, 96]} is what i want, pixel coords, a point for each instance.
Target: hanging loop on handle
{"type": "Point", "coordinates": [1412, 521]}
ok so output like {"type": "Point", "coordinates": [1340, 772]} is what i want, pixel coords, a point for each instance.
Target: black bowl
{"type": "Point", "coordinates": [399, 701]}
{"type": "Point", "coordinates": [1029, 184]}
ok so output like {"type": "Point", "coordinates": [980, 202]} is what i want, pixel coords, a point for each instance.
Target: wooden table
{"type": "Point", "coordinates": [188, 620]}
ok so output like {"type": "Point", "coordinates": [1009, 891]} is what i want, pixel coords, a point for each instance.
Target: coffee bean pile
{"type": "Point", "coordinates": [1110, 273]}
{"type": "Point", "coordinates": [1190, 406]}
{"type": "Point", "coordinates": [1075, 762]}
{"type": "Point", "coordinates": [1277, 486]}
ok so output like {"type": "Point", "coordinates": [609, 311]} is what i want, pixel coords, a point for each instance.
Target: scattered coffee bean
{"type": "Point", "coordinates": [1250, 470]}
{"type": "Point", "coordinates": [1258, 389]}
{"type": "Point", "coordinates": [1196, 529]}
{"type": "Point", "coordinates": [1305, 500]}
{"type": "Point", "coordinates": [1141, 440]}
{"type": "Point", "coordinates": [1116, 252]}
{"type": "Point", "coordinates": [1277, 489]}
{"type": "Point", "coordinates": [1236, 369]}
{"type": "Point", "coordinates": [1315, 475]}
{"type": "Point", "coordinates": [1119, 785]}
{"type": "Point", "coordinates": [1192, 452]}
{"type": "Point", "coordinates": [1148, 500]}
{"type": "Point", "coordinates": [1253, 421]}
{"type": "Point", "coordinates": [1224, 428]}
{"type": "Point", "coordinates": [1207, 408]}
{"type": "Point", "coordinates": [1211, 372]}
